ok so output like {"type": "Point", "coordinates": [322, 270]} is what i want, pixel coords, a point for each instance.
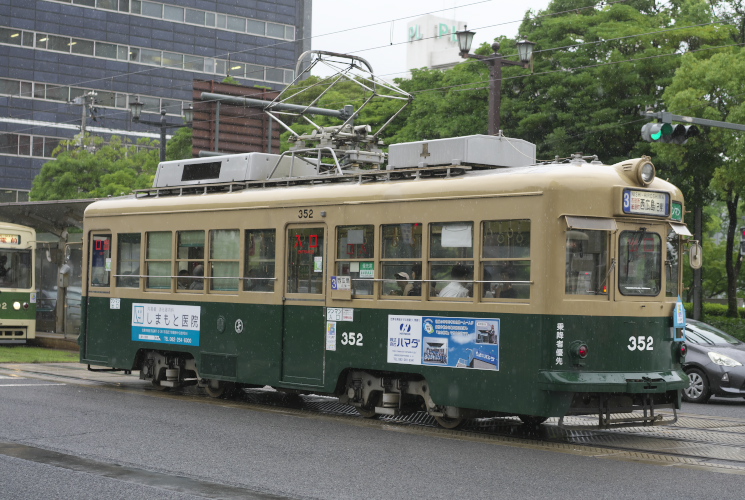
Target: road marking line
{"type": "Point", "coordinates": [25, 385]}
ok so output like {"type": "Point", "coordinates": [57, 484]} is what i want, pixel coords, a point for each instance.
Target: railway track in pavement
{"type": "Point", "coordinates": [700, 441]}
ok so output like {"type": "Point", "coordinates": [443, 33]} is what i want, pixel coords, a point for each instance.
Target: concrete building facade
{"type": "Point", "coordinates": [55, 52]}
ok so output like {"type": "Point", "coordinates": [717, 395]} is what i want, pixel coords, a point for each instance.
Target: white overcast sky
{"type": "Point", "coordinates": [488, 19]}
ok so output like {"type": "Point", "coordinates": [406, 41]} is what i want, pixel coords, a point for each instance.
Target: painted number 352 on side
{"type": "Point", "coordinates": [641, 343]}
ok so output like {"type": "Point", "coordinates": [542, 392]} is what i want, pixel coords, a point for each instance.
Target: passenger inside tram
{"type": "Point", "coordinates": [456, 288]}
{"type": "Point", "coordinates": [198, 281]}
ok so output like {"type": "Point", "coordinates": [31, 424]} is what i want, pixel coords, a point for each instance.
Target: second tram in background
{"type": "Point", "coordinates": [17, 290]}
{"type": "Point", "coordinates": [463, 288]}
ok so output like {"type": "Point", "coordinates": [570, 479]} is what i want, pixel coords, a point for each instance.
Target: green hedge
{"type": "Point", "coordinates": [712, 310]}
{"type": "Point", "coordinates": [715, 315]}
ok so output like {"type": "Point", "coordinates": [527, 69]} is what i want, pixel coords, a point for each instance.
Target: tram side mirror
{"type": "Point", "coordinates": [63, 278]}
{"type": "Point", "coordinates": [695, 255]}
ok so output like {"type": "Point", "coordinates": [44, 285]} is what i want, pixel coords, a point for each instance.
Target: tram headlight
{"type": "Point", "coordinates": [25, 305]}
{"type": "Point", "coordinates": [17, 306]}
{"type": "Point", "coordinates": [722, 360]}
{"type": "Point", "coordinates": [645, 173]}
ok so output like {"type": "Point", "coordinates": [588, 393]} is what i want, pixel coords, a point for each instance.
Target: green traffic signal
{"type": "Point", "coordinates": [668, 133]}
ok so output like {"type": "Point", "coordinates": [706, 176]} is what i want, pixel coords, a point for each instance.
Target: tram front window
{"type": "Point", "coordinates": [15, 268]}
{"type": "Point", "coordinates": [640, 256]}
{"type": "Point", "coordinates": [586, 262]}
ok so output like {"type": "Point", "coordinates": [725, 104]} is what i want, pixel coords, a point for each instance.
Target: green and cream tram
{"type": "Point", "coordinates": [459, 290]}
{"type": "Point", "coordinates": [17, 290]}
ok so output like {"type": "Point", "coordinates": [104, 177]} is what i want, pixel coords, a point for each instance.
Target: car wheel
{"type": "Point", "coordinates": [698, 390]}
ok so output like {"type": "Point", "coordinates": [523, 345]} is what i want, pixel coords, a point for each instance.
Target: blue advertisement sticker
{"type": "Point", "coordinates": [166, 323]}
{"type": "Point", "coordinates": [442, 341]}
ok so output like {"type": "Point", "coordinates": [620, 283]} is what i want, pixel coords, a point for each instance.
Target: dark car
{"type": "Point", "coordinates": [714, 363]}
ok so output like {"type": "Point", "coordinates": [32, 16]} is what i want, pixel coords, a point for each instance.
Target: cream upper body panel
{"type": "Point", "coordinates": [568, 181]}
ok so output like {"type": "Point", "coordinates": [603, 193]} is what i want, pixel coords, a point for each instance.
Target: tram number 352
{"type": "Point", "coordinates": [351, 338]}
{"type": "Point", "coordinates": [641, 343]}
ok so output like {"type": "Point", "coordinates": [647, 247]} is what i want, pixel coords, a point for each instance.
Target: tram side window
{"type": "Point", "coordinates": [672, 265]}
{"type": "Point", "coordinates": [128, 260]}
{"type": "Point", "coordinates": [451, 259]}
{"type": "Point", "coordinates": [259, 268]}
{"type": "Point", "coordinates": [402, 259]}
{"type": "Point", "coordinates": [158, 260]}
{"type": "Point", "coordinates": [586, 262]}
{"type": "Point", "coordinates": [101, 260]}
{"type": "Point", "coordinates": [225, 254]}
{"type": "Point", "coordinates": [305, 260]}
{"type": "Point", "coordinates": [506, 259]}
{"type": "Point", "coordinates": [640, 269]}
{"type": "Point", "coordinates": [355, 246]}
{"type": "Point", "coordinates": [190, 260]}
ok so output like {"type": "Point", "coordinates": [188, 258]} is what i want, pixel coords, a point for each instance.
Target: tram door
{"type": "Point", "coordinates": [304, 321]}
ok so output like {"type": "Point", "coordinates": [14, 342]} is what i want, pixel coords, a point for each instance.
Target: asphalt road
{"type": "Point", "coordinates": [64, 440]}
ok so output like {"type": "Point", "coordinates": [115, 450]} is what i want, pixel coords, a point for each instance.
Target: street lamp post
{"type": "Point", "coordinates": [136, 108]}
{"type": "Point", "coordinates": [495, 62]}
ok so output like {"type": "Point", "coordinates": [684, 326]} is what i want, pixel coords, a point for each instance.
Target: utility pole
{"type": "Point", "coordinates": [86, 102]}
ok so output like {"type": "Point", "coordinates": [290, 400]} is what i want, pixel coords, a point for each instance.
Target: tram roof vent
{"type": "Point", "coordinates": [479, 151]}
{"type": "Point", "coordinates": [228, 168]}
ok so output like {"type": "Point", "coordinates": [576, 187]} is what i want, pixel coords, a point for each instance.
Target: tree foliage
{"type": "Point", "coordinates": [96, 169]}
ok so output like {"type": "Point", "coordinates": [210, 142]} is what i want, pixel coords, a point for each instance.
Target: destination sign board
{"type": "Point", "coordinates": [10, 239]}
{"type": "Point", "coordinates": [637, 201]}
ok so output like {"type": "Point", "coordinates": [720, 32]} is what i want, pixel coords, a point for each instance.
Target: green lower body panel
{"type": "Point", "coordinates": [510, 363]}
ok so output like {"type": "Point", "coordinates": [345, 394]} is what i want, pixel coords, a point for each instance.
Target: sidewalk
{"type": "Point", "coordinates": [55, 341]}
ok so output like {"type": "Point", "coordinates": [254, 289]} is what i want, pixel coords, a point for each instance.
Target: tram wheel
{"type": "Point", "coordinates": [368, 411]}
{"type": "Point", "coordinates": [223, 389]}
{"type": "Point", "coordinates": [531, 420]}
{"type": "Point", "coordinates": [158, 387]}
{"type": "Point", "coordinates": [449, 422]}
{"type": "Point", "coordinates": [698, 390]}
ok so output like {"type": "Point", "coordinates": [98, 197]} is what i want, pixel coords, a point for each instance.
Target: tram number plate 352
{"type": "Point", "coordinates": [351, 338]}
{"type": "Point", "coordinates": [641, 343]}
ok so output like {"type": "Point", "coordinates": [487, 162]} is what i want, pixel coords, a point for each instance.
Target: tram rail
{"type": "Point", "coordinates": [700, 441]}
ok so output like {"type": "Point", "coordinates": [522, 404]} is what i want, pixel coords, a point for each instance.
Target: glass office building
{"type": "Point", "coordinates": [53, 53]}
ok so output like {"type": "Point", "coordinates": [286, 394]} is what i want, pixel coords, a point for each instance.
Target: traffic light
{"type": "Point", "coordinates": [681, 133]}
{"type": "Point", "coordinates": [668, 133]}
{"type": "Point", "coordinates": [656, 132]}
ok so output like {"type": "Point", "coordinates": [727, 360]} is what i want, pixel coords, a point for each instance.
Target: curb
{"type": "Point", "coordinates": [60, 343]}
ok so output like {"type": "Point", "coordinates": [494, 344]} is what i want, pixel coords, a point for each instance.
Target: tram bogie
{"type": "Point", "coordinates": [536, 291]}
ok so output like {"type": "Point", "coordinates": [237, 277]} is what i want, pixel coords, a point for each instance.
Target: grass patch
{"type": "Point", "coordinates": [27, 354]}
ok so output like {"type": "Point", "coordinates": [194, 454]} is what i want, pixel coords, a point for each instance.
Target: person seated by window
{"type": "Point", "coordinates": [404, 287]}
{"type": "Point", "coordinates": [416, 284]}
{"type": "Point", "coordinates": [505, 290]}
{"type": "Point", "coordinates": [198, 283]}
{"type": "Point", "coordinates": [3, 269]}
{"type": "Point", "coordinates": [455, 288]}
{"type": "Point", "coordinates": [183, 280]}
